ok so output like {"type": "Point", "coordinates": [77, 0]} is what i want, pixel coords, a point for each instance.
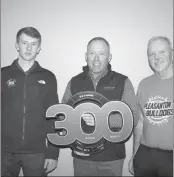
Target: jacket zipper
{"type": "Point", "coordinates": [95, 85]}
{"type": "Point", "coordinates": [24, 109]}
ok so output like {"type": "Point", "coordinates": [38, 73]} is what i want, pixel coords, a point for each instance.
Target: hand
{"type": "Point", "coordinates": [50, 165]}
{"type": "Point", "coordinates": [130, 166]}
{"type": "Point", "coordinates": [88, 118]}
{"type": "Point", "coordinates": [81, 153]}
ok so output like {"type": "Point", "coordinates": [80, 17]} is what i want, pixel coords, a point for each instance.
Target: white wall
{"type": "Point", "coordinates": [66, 27]}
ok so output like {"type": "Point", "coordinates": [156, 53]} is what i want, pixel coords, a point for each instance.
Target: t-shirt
{"type": "Point", "coordinates": [155, 99]}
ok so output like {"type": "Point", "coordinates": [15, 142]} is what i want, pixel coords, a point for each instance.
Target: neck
{"type": "Point", "coordinates": [95, 75]}
{"type": "Point", "coordinates": [99, 75]}
{"type": "Point", "coordinates": [25, 65]}
{"type": "Point", "coordinates": [165, 74]}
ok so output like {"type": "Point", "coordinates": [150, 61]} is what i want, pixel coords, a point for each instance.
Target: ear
{"type": "Point", "coordinates": [17, 46]}
{"type": "Point", "coordinates": [39, 49]}
{"type": "Point", "coordinates": [110, 57]}
{"type": "Point", "coordinates": [86, 57]}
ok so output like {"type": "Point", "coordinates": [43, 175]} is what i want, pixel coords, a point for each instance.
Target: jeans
{"type": "Point", "coordinates": [31, 164]}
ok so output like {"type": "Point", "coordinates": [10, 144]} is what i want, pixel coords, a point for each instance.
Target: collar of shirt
{"type": "Point", "coordinates": [100, 75]}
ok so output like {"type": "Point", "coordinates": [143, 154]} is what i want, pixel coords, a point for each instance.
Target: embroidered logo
{"type": "Point", "coordinates": [109, 88]}
{"type": "Point", "coordinates": [158, 109]}
{"type": "Point", "coordinates": [41, 82]}
{"type": "Point", "coordinates": [11, 82]}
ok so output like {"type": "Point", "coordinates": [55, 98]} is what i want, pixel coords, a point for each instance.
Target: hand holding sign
{"type": "Point", "coordinates": [88, 118]}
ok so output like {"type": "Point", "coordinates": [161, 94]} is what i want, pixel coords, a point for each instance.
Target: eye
{"type": "Point", "coordinates": [34, 44]}
{"type": "Point", "coordinates": [102, 53]}
{"type": "Point", "coordinates": [91, 53]}
{"type": "Point", "coordinates": [162, 52]}
{"type": "Point", "coordinates": [24, 43]}
{"type": "Point", "coordinates": [151, 54]}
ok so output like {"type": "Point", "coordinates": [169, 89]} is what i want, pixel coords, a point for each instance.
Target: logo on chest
{"type": "Point", "coordinates": [41, 82]}
{"type": "Point", "coordinates": [109, 88]}
{"type": "Point", "coordinates": [11, 83]}
{"type": "Point", "coordinates": [158, 109]}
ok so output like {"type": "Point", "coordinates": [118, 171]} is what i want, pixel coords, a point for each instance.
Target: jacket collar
{"type": "Point", "coordinates": [17, 67]}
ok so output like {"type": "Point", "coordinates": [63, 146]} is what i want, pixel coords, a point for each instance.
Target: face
{"type": "Point", "coordinates": [98, 56]}
{"type": "Point", "coordinates": [159, 55]}
{"type": "Point", "coordinates": [27, 47]}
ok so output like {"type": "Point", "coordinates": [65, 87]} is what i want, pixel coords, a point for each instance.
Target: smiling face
{"type": "Point", "coordinates": [159, 55]}
{"type": "Point", "coordinates": [98, 56]}
{"type": "Point", "coordinates": [27, 47]}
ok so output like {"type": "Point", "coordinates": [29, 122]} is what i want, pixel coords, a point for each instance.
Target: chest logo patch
{"type": "Point", "coordinates": [158, 109]}
{"type": "Point", "coordinates": [11, 82]}
{"type": "Point", "coordinates": [41, 82]}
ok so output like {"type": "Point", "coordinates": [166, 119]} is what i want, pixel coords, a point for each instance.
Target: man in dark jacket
{"type": "Point", "coordinates": [97, 76]}
{"type": "Point", "coordinates": [27, 90]}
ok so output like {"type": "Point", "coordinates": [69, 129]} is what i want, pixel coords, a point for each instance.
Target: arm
{"type": "Point", "coordinates": [129, 98]}
{"type": "Point", "coordinates": [138, 130]}
{"type": "Point", "coordinates": [67, 93]}
{"type": "Point", "coordinates": [137, 134]}
{"type": "Point", "coordinates": [52, 151]}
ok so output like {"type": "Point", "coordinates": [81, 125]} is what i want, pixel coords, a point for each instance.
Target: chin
{"type": "Point", "coordinates": [159, 69]}
{"type": "Point", "coordinates": [97, 71]}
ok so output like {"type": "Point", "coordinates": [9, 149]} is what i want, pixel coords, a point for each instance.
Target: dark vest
{"type": "Point", "coordinates": [112, 87]}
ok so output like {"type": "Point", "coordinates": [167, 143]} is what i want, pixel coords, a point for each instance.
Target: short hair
{"type": "Point", "coordinates": [29, 31]}
{"type": "Point", "coordinates": [156, 38]}
{"type": "Point", "coordinates": [99, 39]}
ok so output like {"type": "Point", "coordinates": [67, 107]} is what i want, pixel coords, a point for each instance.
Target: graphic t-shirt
{"type": "Point", "coordinates": [155, 98]}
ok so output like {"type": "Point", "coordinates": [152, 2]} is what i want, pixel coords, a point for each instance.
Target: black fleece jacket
{"type": "Point", "coordinates": [25, 98]}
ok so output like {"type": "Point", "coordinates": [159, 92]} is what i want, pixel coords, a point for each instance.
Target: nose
{"type": "Point", "coordinates": [96, 57]}
{"type": "Point", "coordinates": [29, 47]}
{"type": "Point", "coordinates": [157, 56]}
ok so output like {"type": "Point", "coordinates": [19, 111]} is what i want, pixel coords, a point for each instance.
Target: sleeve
{"type": "Point", "coordinates": [67, 93]}
{"type": "Point", "coordinates": [129, 98]}
{"type": "Point", "coordinates": [52, 151]}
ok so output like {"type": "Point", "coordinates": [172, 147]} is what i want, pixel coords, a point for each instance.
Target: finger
{"type": "Point", "coordinates": [87, 118]}
{"type": "Point", "coordinates": [45, 165]}
{"type": "Point", "coordinates": [48, 167]}
{"type": "Point", "coordinates": [90, 124]}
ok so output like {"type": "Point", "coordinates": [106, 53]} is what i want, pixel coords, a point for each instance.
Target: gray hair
{"type": "Point", "coordinates": [156, 38]}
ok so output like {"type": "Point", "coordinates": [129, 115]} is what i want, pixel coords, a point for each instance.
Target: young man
{"type": "Point", "coordinates": [153, 136]}
{"type": "Point", "coordinates": [27, 91]}
{"type": "Point", "coordinates": [97, 76]}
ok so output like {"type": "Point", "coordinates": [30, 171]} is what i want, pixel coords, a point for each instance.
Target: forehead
{"type": "Point", "coordinates": [25, 37]}
{"type": "Point", "coordinates": [98, 45]}
{"type": "Point", "coordinates": [158, 45]}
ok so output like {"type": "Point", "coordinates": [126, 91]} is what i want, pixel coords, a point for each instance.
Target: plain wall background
{"type": "Point", "coordinates": [66, 27]}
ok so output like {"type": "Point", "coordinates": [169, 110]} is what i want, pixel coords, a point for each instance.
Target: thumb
{"type": "Point", "coordinates": [46, 164]}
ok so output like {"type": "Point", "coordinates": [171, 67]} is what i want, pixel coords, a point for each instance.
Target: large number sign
{"type": "Point", "coordinates": [97, 105]}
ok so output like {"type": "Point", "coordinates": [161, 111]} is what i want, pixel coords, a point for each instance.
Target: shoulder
{"type": "Point", "coordinates": [118, 78]}
{"type": "Point", "coordinates": [116, 74]}
{"type": "Point", "coordinates": [47, 73]}
{"type": "Point", "coordinates": [147, 81]}
{"type": "Point", "coordinates": [5, 69]}
{"type": "Point", "coordinates": [78, 76]}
